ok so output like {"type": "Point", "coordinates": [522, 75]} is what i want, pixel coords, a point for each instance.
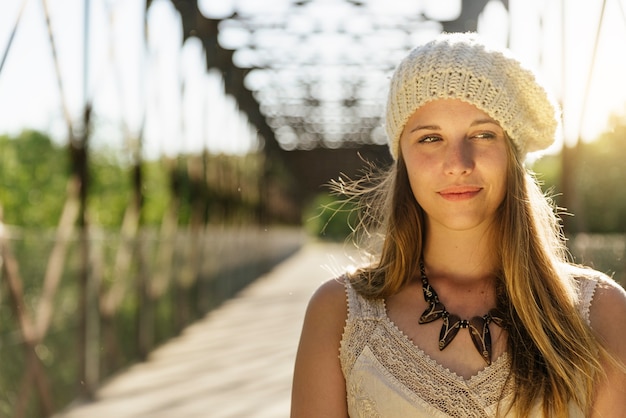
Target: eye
{"type": "Point", "coordinates": [484, 135]}
{"type": "Point", "coordinates": [428, 139]}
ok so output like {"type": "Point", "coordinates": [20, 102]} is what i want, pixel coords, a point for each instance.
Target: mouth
{"type": "Point", "coordinates": [457, 193]}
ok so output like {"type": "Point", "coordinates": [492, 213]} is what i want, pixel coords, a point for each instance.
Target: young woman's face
{"type": "Point", "coordinates": [456, 159]}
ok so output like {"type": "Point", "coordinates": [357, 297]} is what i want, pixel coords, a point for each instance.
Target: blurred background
{"type": "Point", "coordinates": [158, 155]}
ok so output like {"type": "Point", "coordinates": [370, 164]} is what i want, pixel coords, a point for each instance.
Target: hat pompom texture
{"type": "Point", "coordinates": [459, 66]}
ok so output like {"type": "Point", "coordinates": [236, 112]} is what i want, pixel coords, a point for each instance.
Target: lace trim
{"type": "Point", "coordinates": [412, 372]}
{"type": "Point", "coordinates": [409, 367]}
{"type": "Point", "coordinates": [363, 317]}
{"type": "Point", "coordinates": [587, 289]}
{"type": "Point", "coordinates": [475, 380]}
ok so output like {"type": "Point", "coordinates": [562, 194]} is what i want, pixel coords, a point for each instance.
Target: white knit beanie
{"type": "Point", "coordinates": [460, 66]}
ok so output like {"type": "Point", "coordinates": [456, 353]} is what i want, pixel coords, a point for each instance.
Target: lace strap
{"type": "Point", "coordinates": [587, 287]}
{"type": "Point", "coordinates": [363, 317]}
{"type": "Point", "coordinates": [361, 307]}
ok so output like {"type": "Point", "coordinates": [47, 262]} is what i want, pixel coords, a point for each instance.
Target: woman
{"type": "Point", "coordinates": [471, 308]}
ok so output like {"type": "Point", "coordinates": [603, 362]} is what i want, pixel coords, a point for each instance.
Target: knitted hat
{"type": "Point", "coordinates": [459, 66]}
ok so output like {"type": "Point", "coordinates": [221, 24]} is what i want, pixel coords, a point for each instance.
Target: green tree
{"type": "Point", "coordinates": [109, 189]}
{"type": "Point", "coordinates": [601, 180]}
{"type": "Point", "coordinates": [33, 179]}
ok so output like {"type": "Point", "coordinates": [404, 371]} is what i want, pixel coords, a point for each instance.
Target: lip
{"type": "Point", "coordinates": [456, 193]}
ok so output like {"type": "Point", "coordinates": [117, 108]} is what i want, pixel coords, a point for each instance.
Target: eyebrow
{"type": "Point", "coordinates": [437, 127]}
{"type": "Point", "coordinates": [484, 121]}
{"type": "Point", "coordinates": [429, 127]}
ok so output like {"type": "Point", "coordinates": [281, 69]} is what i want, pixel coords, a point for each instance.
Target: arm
{"type": "Point", "coordinates": [607, 314]}
{"type": "Point", "coordinates": [319, 388]}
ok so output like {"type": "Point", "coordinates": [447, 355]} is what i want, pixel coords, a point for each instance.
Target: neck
{"type": "Point", "coordinates": [461, 257]}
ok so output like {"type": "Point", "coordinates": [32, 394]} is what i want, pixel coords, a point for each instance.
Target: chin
{"type": "Point", "coordinates": [465, 223]}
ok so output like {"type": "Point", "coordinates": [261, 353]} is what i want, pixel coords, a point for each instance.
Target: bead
{"type": "Point", "coordinates": [477, 326]}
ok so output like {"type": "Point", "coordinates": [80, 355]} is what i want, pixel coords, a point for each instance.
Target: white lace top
{"type": "Point", "coordinates": [388, 376]}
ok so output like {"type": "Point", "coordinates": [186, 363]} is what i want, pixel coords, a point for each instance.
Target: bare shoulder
{"type": "Point", "coordinates": [329, 303]}
{"type": "Point", "coordinates": [607, 312]}
{"type": "Point", "coordinates": [326, 316]}
{"type": "Point", "coordinates": [331, 291]}
{"type": "Point", "coordinates": [318, 384]}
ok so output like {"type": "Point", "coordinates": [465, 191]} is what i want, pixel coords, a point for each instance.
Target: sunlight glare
{"type": "Point", "coordinates": [216, 9]}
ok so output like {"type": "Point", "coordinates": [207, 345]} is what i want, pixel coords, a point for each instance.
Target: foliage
{"type": "Point", "coordinates": [155, 192]}
{"type": "Point", "coordinates": [598, 180]}
{"type": "Point", "coordinates": [601, 181]}
{"type": "Point", "coordinates": [33, 179]}
{"type": "Point", "coordinates": [109, 190]}
{"type": "Point", "coordinates": [34, 173]}
{"type": "Point", "coordinates": [329, 217]}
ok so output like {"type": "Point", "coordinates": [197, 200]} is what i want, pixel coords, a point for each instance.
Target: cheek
{"type": "Point", "coordinates": [419, 179]}
{"type": "Point", "coordinates": [414, 168]}
{"type": "Point", "coordinates": [500, 174]}
{"type": "Point", "coordinates": [418, 164]}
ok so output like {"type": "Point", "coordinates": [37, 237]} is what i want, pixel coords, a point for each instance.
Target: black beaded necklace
{"type": "Point", "coordinates": [478, 326]}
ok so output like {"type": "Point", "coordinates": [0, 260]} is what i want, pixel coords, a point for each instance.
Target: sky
{"type": "Point", "coordinates": [124, 82]}
{"type": "Point", "coordinates": [128, 83]}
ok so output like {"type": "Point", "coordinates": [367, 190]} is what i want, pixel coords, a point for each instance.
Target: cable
{"type": "Point", "coordinates": [17, 22]}
{"type": "Point", "coordinates": [592, 66]}
{"type": "Point", "coordinates": [57, 68]}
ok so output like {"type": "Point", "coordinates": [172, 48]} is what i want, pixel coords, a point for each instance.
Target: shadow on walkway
{"type": "Point", "coordinates": [237, 361]}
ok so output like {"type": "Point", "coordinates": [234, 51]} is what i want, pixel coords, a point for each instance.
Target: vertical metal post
{"type": "Point", "coordinates": [89, 326]}
{"type": "Point", "coordinates": [145, 302]}
{"type": "Point", "coordinates": [566, 181]}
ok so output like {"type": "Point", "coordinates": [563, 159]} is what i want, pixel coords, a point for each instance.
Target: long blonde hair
{"type": "Point", "coordinates": [553, 352]}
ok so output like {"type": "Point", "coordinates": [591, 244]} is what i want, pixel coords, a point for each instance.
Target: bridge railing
{"type": "Point", "coordinates": [165, 283]}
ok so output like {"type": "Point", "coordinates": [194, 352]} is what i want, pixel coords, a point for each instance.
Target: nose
{"type": "Point", "coordinates": [459, 158]}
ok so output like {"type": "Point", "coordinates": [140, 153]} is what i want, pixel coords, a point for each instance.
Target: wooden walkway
{"type": "Point", "coordinates": [236, 362]}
